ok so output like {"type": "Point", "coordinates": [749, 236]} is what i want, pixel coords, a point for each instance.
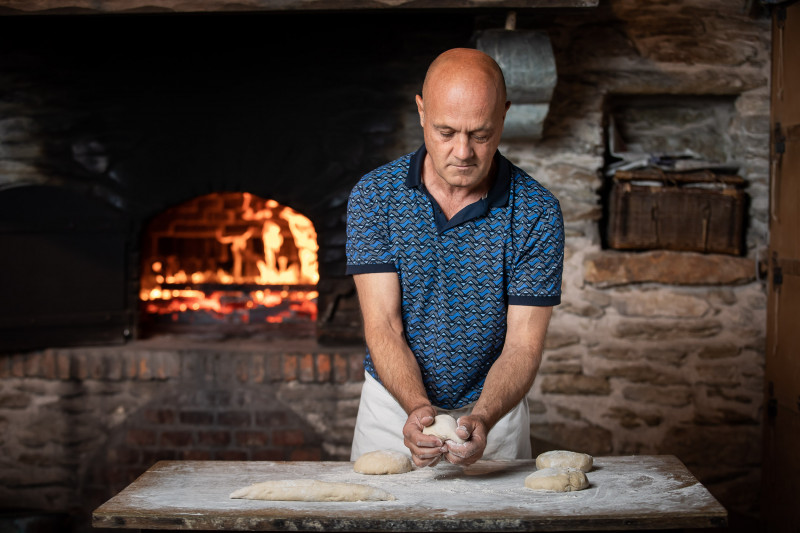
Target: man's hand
{"type": "Point", "coordinates": [474, 430]}
{"type": "Point", "coordinates": [426, 450]}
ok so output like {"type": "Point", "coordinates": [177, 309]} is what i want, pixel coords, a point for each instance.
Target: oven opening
{"type": "Point", "coordinates": [229, 263]}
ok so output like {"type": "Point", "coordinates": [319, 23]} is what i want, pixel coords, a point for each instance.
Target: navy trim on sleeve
{"type": "Point", "coordinates": [369, 269]}
{"type": "Point", "coordinates": [538, 301]}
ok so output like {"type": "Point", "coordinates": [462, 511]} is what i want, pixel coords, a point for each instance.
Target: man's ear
{"type": "Point", "coordinates": [421, 110]}
{"type": "Point", "coordinates": [508, 104]}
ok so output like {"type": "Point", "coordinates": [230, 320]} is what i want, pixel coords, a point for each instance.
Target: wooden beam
{"type": "Point", "coordinates": [72, 7]}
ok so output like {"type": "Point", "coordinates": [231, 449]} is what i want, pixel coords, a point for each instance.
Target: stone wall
{"type": "Point", "coordinates": [656, 352]}
{"type": "Point", "coordinates": [650, 353]}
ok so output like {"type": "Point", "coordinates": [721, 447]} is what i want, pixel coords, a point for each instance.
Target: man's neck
{"type": "Point", "coordinates": [452, 199]}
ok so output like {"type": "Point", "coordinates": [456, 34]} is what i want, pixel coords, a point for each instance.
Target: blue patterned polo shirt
{"type": "Point", "coordinates": [457, 276]}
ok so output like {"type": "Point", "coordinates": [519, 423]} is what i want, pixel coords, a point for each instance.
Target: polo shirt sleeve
{"type": "Point", "coordinates": [368, 247]}
{"type": "Point", "coordinates": [539, 260]}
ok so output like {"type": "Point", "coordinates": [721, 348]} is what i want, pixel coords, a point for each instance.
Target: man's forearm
{"type": "Point", "coordinates": [512, 374]}
{"type": "Point", "coordinates": [508, 381]}
{"type": "Point", "coordinates": [397, 368]}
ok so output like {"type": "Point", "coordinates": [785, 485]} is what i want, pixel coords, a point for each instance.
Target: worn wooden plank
{"type": "Point", "coordinates": [638, 492]}
{"type": "Point", "coordinates": [8, 7]}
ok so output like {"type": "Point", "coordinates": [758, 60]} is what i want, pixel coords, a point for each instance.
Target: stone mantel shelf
{"type": "Point", "coordinates": [609, 268]}
{"type": "Point", "coordinates": [76, 7]}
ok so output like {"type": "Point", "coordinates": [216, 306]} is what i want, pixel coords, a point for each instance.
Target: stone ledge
{"type": "Point", "coordinates": [287, 361]}
{"type": "Point", "coordinates": [609, 269]}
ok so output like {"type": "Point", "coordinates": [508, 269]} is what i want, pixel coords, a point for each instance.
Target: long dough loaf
{"type": "Point", "coordinates": [311, 490]}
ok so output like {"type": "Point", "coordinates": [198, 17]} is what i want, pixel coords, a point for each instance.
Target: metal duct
{"type": "Point", "coordinates": [529, 68]}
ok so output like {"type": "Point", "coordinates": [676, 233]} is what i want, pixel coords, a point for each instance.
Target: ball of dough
{"type": "Point", "coordinates": [565, 459]}
{"type": "Point", "coordinates": [444, 427]}
{"type": "Point", "coordinates": [557, 480]}
{"type": "Point", "coordinates": [383, 462]}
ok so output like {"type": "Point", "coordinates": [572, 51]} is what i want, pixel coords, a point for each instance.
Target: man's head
{"type": "Point", "coordinates": [462, 109]}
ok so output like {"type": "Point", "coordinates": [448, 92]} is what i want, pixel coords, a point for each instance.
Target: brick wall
{"type": "Point", "coordinates": [86, 422]}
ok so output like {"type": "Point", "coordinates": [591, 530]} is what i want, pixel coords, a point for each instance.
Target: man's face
{"type": "Point", "coordinates": [462, 125]}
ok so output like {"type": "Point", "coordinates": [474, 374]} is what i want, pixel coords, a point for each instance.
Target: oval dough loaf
{"type": "Point", "coordinates": [565, 459]}
{"type": "Point", "coordinates": [383, 462]}
{"type": "Point", "coordinates": [311, 490]}
{"type": "Point", "coordinates": [557, 480]}
{"type": "Point", "coordinates": [444, 427]}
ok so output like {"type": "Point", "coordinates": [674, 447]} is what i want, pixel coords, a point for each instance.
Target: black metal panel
{"type": "Point", "coordinates": [62, 269]}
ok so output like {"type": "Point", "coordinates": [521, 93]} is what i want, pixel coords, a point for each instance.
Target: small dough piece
{"type": "Point", "coordinates": [557, 480]}
{"type": "Point", "coordinates": [565, 459]}
{"type": "Point", "coordinates": [311, 490]}
{"type": "Point", "coordinates": [383, 462]}
{"type": "Point", "coordinates": [444, 427]}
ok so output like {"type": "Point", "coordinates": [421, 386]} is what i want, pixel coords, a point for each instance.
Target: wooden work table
{"type": "Point", "coordinates": [637, 492]}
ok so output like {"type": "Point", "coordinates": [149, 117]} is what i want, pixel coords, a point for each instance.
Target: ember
{"type": "Point", "coordinates": [229, 258]}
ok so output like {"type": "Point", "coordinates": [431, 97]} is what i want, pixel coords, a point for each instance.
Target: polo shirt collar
{"type": "Point", "coordinates": [498, 194]}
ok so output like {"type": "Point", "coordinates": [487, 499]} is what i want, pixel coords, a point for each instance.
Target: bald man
{"type": "Point", "coordinates": [457, 257]}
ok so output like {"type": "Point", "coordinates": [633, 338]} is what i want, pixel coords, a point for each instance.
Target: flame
{"type": "Point", "coordinates": [287, 257]}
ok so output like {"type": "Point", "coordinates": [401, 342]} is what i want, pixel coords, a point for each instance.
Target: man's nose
{"type": "Point", "coordinates": [463, 147]}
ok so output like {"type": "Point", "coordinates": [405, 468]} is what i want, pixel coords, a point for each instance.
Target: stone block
{"type": "Point", "coordinates": [665, 330]}
{"type": "Point", "coordinates": [289, 367]}
{"type": "Point", "coordinates": [726, 417]}
{"type": "Point", "coordinates": [306, 454]}
{"type": "Point", "coordinates": [234, 418]}
{"type": "Point", "coordinates": [274, 368]}
{"type": "Point", "coordinates": [537, 407]}
{"type": "Point", "coordinates": [719, 351]}
{"type": "Point", "coordinates": [642, 351]}
{"type": "Point", "coordinates": [195, 418]}
{"type": "Point", "coordinates": [175, 439]}
{"type": "Point", "coordinates": [324, 368]}
{"type": "Point", "coordinates": [722, 374]}
{"type": "Point", "coordinates": [582, 310]}
{"type": "Point", "coordinates": [643, 374]}
{"type": "Point", "coordinates": [609, 269]}
{"type": "Point", "coordinates": [114, 367]}
{"type": "Point", "coordinates": [340, 368]}
{"type": "Point", "coordinates": [306, 370]}
{"type": "Point", "coordinates": [572, 414]}
{"type": "Point", "coordinates": [630, 419]}
{"type": "Point", "coordinates": [575, 384]}
{"type": "Point", "coordinates": [258, 371]}
{"type": "Point", "coordinates": [14, 400]}
{"type": "Point", "coordinates": [288, 437]}
{"type": "Point", "coordinates": [659, 303]}
{"type": "Point", "coordinates": [271, 418]}
{"type": "Point", "coordinates": [214, 438]}
{"type": "Point", "coordinates": [273, 454]}
{"type": "Point", "coordinates": [356, 368]}
{"type": "Point", "coordinates": [558, 339]}
{"type": "Point", "coordinates": [560, 367]}
{"type": "Point", "coordinates": [252, 438]}
{"type": "Point", "coordinates": [123, 455]}
{"type": "Point", "coordinates": [140, 437]}
{"type": "Point", "coordinates": [733, 394]}
{"type": "Point", "coordinates": [63, 363]}
{"type": "Point", "coordinates": [673, 396]}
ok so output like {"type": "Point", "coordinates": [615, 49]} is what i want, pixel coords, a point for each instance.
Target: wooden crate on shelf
{"type": "Point", "coordinates": [699, 211]}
